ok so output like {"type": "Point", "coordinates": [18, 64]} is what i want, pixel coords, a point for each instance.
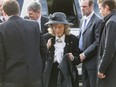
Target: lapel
{"type": "Point", "coordinates": [80, 27]}
{"type": "Point", "coordinates": [42, 23]}
{"type": "Point", "coordinates": [67, 41]}
{"type": "Point", "coordinates": [89, 23]}
{"type": "Point", "coordinates": [87, 27]}
{"type": "Point", "coordinates": [42, 20]}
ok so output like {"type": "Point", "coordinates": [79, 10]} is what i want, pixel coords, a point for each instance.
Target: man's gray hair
{"type": "Point", "coordinates": [34, 6]}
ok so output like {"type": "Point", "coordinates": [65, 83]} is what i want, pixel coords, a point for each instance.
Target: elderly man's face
{"type": "Point", "coordinates": [59, 29]}
{"type": "Point", "coordinates": [34, 15]}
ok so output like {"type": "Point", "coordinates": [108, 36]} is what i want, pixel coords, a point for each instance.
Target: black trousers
{"type": "Point", "coordinates": [33, 84]}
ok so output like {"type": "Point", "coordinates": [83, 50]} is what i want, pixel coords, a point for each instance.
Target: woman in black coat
{"type": "Point", "coordinates": [60, 42]}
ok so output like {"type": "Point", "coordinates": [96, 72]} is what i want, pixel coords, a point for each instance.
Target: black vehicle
{"type": "Point", "coordinates": [70, 7]}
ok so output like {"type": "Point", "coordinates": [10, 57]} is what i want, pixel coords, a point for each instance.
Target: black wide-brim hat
{"type": "Point", "coordinates": [58, 18]}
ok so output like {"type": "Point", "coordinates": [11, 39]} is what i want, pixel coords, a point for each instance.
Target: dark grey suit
{"type": "Point", "coordinates": [22, 53]}
{"type": "Point", "coordinates": [90, 45]}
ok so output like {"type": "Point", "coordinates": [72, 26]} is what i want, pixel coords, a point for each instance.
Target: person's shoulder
{"type": "Point", "coordinates": [98, 17]}
{"type": "Point", "coordinates": [112, 20]}
{"type": "Point", "coordinates": [30, 21]}
{"type": "Point", "coordinates": [45, 18]}
{"type": "Point", "coordinates": [113, 17]}
{"type": "Point", "coordinates": [47, 35]}
{"type": "Point", "coordinates": [73, 37]}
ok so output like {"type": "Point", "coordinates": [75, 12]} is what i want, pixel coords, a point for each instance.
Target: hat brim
{"type": "Point", "coordinates": [58, 22]}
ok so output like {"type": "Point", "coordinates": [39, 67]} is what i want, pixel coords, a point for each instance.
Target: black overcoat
{"type": "Point", "coordinates": [71, 46]}
{"type": "Point", "coordinates": [22, 51]}
{"type": "Point", "coordinates": [107, 52]}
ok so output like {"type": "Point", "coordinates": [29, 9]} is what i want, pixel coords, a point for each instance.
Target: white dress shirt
{"type": "Point", "coordinates": [39, 22]}
{"type": "Point", "coordinates": [1, 18]}
{"type": "Point", "coordinates": [88, 18]}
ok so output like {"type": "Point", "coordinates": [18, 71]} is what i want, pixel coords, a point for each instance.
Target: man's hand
{"type": "Point", "coordinates": [101, 75]}
{"type": "Point", "coordinates": [82, 57]}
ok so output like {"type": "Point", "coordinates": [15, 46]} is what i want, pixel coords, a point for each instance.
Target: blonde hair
{"type": "Point", "coordinates": [67, 30]}
{"type": "Point", "coordinates": [100, 1]}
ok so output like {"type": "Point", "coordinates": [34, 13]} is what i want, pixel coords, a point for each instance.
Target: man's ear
{"type": "Point", "coordinates": [107, 8]}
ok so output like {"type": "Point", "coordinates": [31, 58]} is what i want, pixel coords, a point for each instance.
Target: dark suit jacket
{"type": "Point", "coordinates": [43, 26]}
{"type": "Point", "coordinates": [107, 52]}
{"type": "Point", "coordinates": [71, 46]}
{"type": "Point", "coordinates": [22, 51]}
{"type": "Point", "coordinates": [90, 40]}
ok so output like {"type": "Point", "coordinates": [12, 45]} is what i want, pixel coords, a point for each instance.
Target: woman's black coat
{"type": "Point", "coordinates": [71, 46]}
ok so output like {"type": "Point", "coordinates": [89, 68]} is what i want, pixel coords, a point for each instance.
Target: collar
{"type": "Point", "coordinates": [108, 16]}
{"type": "Point", "coordinates": [1, 18]}
{"type": "Point", "coordinates": [39, 19]}
{"type": "Point", "coordinates": [62, 37]}
{"type": "Point", "coordinates": [89, 17]}
{"type": "Point", "coordinates": [14, 17]}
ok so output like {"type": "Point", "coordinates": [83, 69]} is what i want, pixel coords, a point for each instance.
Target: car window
{"type": "Point", "coordinates": [66, 6]}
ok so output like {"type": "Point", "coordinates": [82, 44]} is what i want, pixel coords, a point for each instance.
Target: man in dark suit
{"type": "Point", "coordinates": [107, 48]}
{"type": "Point", "coordinates": [34, 11]}
{"type": "Point", "coordinates": [22, 49]}
{"type": "Point", "coordinates": [88, 43]}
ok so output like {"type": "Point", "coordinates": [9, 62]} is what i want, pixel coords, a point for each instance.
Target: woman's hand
{"type": "Point", "coordinates": [49, 43]}
{"type": "Point", "coordinates": [71, 57]}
